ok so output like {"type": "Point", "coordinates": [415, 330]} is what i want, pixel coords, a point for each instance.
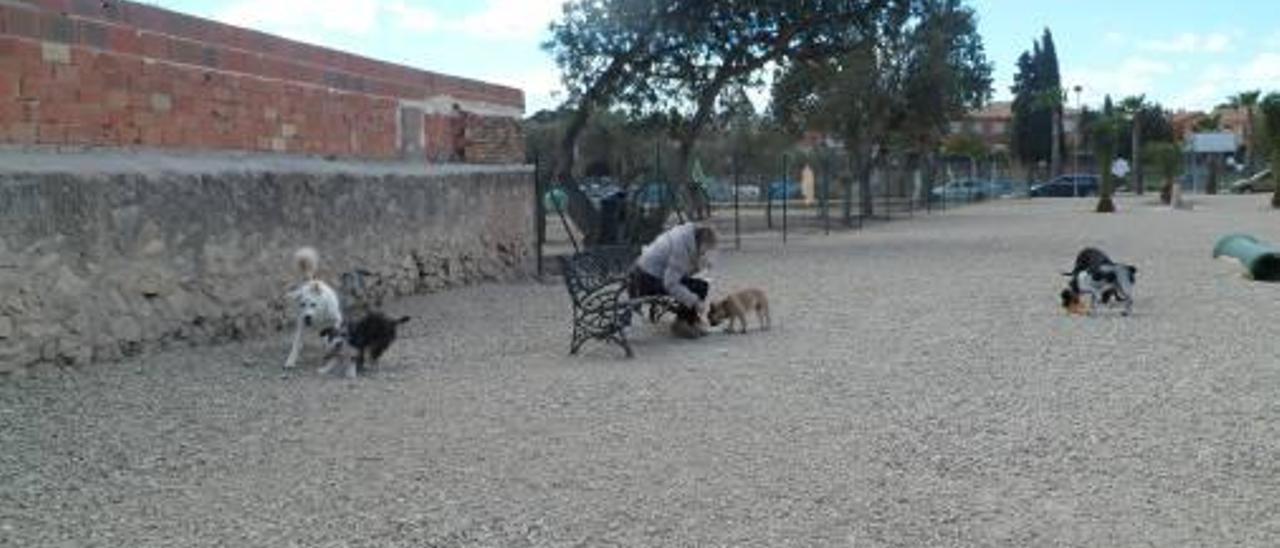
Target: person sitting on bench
{"type": "Point", "coordinates": [667, 266]}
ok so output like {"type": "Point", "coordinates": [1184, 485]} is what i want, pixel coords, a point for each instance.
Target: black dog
{"type": "Point", "coordinates": [369, 337]}
{"type": "Point", "coordinates": [1097, 275]}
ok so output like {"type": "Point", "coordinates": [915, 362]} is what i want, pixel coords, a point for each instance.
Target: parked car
{"type": "Point", "coordinates": [789, 190]}
{"type": "Point", "coordinates": [977, 189]}
{"type": "Point", "coordinates": [965, 190]}
{"type": "Point", "coordinates": [1261, 181]}
{"type": "Point", "coordinates": [1067, 186]}
{"type": "Point", "coordinates": [747, 193]}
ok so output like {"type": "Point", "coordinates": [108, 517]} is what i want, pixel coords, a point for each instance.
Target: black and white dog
{"type": "Point", "coordinates": [366, 338]}
{"type": "Point", "coordinates": [1101, 279]}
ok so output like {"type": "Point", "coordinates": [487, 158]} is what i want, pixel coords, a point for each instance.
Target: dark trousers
{"type": "Point", "coordinates": [643, 284]}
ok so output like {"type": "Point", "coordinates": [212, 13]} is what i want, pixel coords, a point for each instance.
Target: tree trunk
{"type": "Point", "coordinates": [1212, 187]}
{"type": "Point", "coordinates": [1248, 139]}
{"type": "Point", "coordinates": [695, 204]}
{"type": "Point", "coordinates": [1105, 203]}
{"type": "Point", "coordinates": [1139, 185]}
{"type": "Point", "coordinates": [1275, 176]}
{"type": "Point", "coordinates": [865, 198]}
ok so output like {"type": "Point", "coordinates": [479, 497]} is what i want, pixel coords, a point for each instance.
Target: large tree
{"type": "Point", "coordinates": [733, 43]}
{"type": "Point", "coordinates": [1248, 102]}
{"type": "Point", "coordinates": [1133, 106]}
{"type": "Point", "coordinates": [678, 57]}
{"type": "Point", "coordinates": [606, 51]}
{"type": "Point", "coordinates": [1106, 131]}
{"type": "Point", "coordinates": [923, 66]}
{"type": "Point", "coordinates": [1037, 105]}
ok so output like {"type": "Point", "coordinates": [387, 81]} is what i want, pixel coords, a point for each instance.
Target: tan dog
{"type": "Point", "coordinates": [736, 306]}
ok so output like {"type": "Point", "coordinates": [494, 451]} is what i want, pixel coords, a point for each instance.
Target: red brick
{"type": "Point", "coordinates": [124, 40]}
{"type": "Point", "coordinates": [154, 45]}
{"type": "Point", "coordinates": [22, 22]}
{"type": "Point", "coordinates": [22, 132]}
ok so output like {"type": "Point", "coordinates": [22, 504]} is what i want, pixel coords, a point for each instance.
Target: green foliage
{"type": "Point", "coordinates": [1212, 122]}
{"type": "Point", "coordinates": [899, 86]}
{"type": "Point", "coordinates": [965, 145]}
{"type": "Point", "coordinates": [1269, 109]}
{"type": "Point", "coordinates": [1037, 98]}
{"type": "Point", "coordinates": [1106, 136]}
{"type": "Point", "coordinates": [1165, 158]}
{"type": "Point", "coordinates": [1248, 102]}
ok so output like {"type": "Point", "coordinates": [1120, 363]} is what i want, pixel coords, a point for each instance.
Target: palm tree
{"type": "Point", "coordinates": [1106, 135]}
{"type": "Point", "coordinates": [1053, 99]}
{"type": "Point", "coordinates": [1247, 100]}
{"type": "Point", "coordinates": [1168, 160]}
{"type": "Point", "coordinates": [1133, 107]}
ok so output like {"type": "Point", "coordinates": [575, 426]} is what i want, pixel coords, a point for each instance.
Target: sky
{"type": "Point", "coordinates": [1184, 54]}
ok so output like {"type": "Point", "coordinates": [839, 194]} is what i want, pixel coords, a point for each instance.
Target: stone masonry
{"type": "Point", "coordinates": [127, 254]}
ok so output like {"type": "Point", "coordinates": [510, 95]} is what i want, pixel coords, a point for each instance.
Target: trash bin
{"type": "Point", "coordinates": [613, 217]}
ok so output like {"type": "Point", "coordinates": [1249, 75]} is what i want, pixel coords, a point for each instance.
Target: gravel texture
{"type": "Point", "coordinates": [920, 387]}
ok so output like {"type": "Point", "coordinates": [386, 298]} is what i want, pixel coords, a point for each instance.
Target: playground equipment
{"type": "Point", "coordinates": [1261, 260]}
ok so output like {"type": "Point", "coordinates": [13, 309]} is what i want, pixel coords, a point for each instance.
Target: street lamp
{"type": "Point", "coordinates": [1075, 157]}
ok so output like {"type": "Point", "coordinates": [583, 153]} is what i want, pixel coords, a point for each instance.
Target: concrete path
{"type": "Point", "coordinates": [920, 387]}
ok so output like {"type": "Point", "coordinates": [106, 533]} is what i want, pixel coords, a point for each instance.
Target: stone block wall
{"type": "Point", "coordinates": [118, 256]}
{"type": "Point", "coordinates": [121, 74]}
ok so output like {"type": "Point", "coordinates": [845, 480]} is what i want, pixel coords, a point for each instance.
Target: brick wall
{"type": "Point", "coordinates": [119, 74]}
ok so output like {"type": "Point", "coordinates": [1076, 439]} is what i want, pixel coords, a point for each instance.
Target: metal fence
{"type": "Point", "coordinates": [816, 193]}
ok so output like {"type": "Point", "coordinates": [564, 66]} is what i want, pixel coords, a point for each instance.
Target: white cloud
{"type": "Point", "coordinates": [492, 19]}
{"type": "Point", "coordinates": [1133, 76]}
{"type": "Point", "coordinates": [542, 87]}
{"type": "Point", "coordinates": [1217, 82]}
{"type": "Point", "coordinates": [1190, 42]}
{"type": "Point", "coordinates": [412, 17]}
{"type": "Point", "coordinates": [1114, 38]}
{"type": "Point", "coordinates": [1262, 72]}
{"type": "Point", "coordinates": [304, 17]}
{"type": "Point", "coordinates": [510, 19]}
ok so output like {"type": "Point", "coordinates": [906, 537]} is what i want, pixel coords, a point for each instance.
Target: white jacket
{"type": "Point", "coordinates": [671, 257]}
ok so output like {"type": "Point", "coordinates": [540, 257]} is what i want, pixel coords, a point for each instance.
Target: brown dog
{"type": "Point", "coordinates": [736, 306]}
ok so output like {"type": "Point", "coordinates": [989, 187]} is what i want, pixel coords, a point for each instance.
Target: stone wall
{"type": "Point", "coordinates": [109, 256]}
{"type": "Point", "coordinates": [122, 74]}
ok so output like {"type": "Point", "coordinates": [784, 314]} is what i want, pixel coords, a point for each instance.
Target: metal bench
{"type": "Point", "coordinates": [602, 306]}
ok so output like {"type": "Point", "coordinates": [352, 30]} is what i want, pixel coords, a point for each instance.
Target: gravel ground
{"type": "Point", "coordinates": [920, 388]}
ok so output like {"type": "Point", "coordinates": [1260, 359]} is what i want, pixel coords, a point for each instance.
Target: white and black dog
{"type": "Point", "coordinates": [1102, 279]}
{"type": "Point", "coordinates": [317, 305]}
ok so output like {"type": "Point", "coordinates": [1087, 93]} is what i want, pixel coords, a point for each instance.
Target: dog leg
{"type": "Point", "coordinates": [292, 360]}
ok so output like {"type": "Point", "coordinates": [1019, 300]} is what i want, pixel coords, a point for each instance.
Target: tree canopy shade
{"type": "Point", "coordinates": [680, 57]}
{"type": "Point", "coordinates": [919, 66]}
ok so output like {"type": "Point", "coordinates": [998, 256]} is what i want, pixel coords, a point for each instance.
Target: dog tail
{"type": "Point", "coordinates": [308, 260]}
{"type": "Point", "coordinates": [403, 319]}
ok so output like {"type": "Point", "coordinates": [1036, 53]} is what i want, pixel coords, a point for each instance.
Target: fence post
{"type": "Point", "coordinates": [786, 194]}
{"type": "Point", "coordinates": [737, 228]}
{"type": "Point", "coordinates": [826, 192]}
{"type": "Point", "coordinates": [539, 213]}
